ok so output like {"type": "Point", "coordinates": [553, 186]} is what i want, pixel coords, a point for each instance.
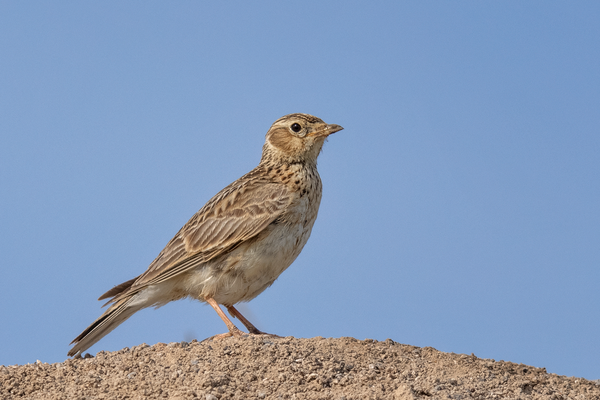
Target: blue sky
{"type": "Point", "coordinates": [460, 206]}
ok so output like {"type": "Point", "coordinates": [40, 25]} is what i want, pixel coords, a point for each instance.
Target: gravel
{"type": "Point", "coordinates": [287, 368]}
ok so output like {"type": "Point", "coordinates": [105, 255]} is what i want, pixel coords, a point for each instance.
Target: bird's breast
{"type": "Point", "coordinates": [254, 265]}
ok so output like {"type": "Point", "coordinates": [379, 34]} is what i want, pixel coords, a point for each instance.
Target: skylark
{"type": "Point", "coordinates": [239, 243]}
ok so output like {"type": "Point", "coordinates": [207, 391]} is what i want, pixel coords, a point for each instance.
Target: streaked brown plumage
{"type": "Point", "coordinates": [240, 241]}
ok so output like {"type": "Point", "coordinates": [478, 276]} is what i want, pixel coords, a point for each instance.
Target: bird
{"type": "Point", "coordinates": [239, 242]}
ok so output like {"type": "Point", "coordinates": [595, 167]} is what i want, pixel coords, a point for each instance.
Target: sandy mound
{"type": "Point", "coordinates": [287, 368]}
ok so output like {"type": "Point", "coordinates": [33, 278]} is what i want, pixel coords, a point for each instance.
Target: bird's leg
{"type": "Point", "coordinates": [233, 330]}
{"type": "Point", "coordinates": [236, 314]}
{"type": "Point", "coordinates": [251, 328]}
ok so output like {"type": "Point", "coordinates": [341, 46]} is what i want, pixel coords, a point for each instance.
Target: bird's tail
{"type": "Point", "coordinates": [113, 317]}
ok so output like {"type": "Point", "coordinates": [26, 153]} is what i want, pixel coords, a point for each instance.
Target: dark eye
{"type": "Point", "coordinates": [296, 127]}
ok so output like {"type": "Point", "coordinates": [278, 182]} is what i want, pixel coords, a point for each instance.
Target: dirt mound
{"type": "Point", "coordinates": [287, 368]}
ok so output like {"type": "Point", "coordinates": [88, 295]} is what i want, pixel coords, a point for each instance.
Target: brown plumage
{"type": "Point", "coordinates": [240, 241]}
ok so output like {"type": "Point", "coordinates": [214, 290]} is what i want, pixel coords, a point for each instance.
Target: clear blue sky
{"type": "Point", "coordinates": [461, 205]}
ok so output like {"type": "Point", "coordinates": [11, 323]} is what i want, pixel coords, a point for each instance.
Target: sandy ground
{"type": "Point", "coordinates": [287, 368]}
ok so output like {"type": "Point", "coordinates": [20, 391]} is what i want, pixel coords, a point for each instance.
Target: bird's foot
{"type": "Point", "coordinates": [238, 334]}
{"type": "Point", "coordinates": [233, 333]}
{"type": "Point", "coordinates": [260, 333]}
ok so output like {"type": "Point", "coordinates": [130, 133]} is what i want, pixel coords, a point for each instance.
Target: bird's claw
{"type": "Point", "coordinates": [239, 334]}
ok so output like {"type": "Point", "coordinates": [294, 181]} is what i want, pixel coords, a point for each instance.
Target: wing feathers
{"type": "Point", "coordinates": [237, 213]}
{"type": "Point", "coordinates": [118, 289]}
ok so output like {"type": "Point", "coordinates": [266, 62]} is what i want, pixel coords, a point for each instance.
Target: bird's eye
{"type": "Point", "coordinates": [296, 127]}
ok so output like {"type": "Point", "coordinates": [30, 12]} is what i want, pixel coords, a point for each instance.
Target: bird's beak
{"type": "Point", "coordinates": [326, 130]}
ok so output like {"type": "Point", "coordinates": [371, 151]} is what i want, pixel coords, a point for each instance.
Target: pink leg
{"type": "Point", "coordinates": [251, 328]}
{"type": "Point", "coordinates": [236, 314]}
{"type": "Point", "coordinates": [233, 330]}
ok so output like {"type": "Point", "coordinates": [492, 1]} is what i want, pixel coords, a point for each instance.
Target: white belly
{"type": "Point", "coordinates": [259, 268]}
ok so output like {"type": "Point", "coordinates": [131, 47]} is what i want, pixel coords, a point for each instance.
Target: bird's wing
{"type": "Point", "coordinates": [237, 213]}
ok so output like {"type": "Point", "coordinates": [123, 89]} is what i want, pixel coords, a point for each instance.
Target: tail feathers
{"type": "Point", "coordinates": [113, 317]}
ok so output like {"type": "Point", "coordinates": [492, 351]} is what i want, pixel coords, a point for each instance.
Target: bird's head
{"type": "Point", "coordinates": [296, 138]}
